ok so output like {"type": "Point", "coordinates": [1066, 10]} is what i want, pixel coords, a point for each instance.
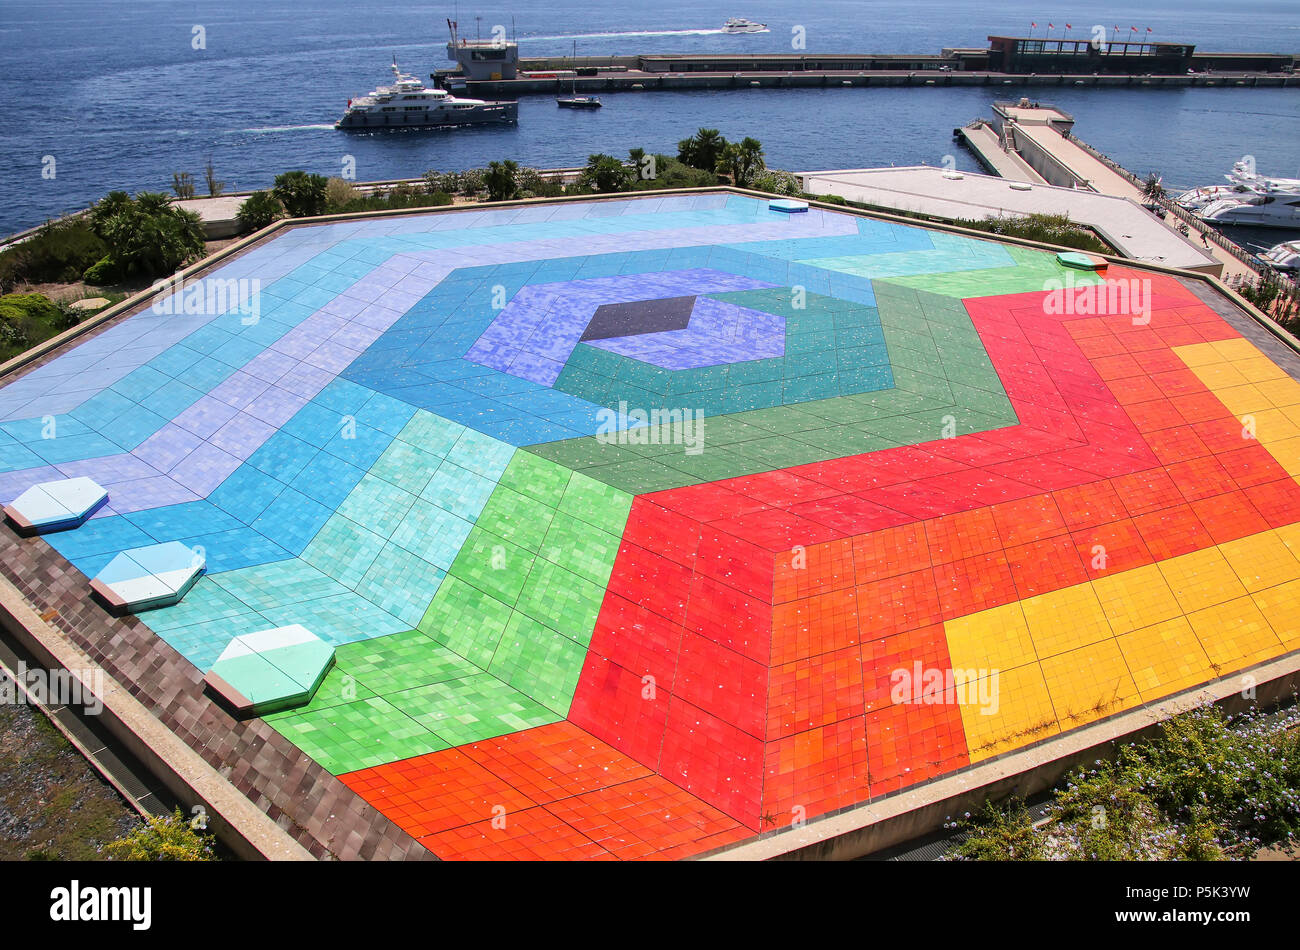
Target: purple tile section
{"type": "Point", "coordinates": [718, 333]}
{"type": "Point", "coordinates": [206, 416]}
{"type": "Point", "coordinates": [167, 447]}
{"type": "Point", "coordinates": [533, 336]}
{"type": "Point", "coordinates": [204, 469]}
{"type": "Point", "coordinates": [242, 435]}
{"type": "Point", "coordinates": [142, 494]}
{"type": "Point", "coordinates": [239, 389]}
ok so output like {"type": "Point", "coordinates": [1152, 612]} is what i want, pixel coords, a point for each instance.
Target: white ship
{"type": "Point", "coordinates": [408, 103]}
{"type": "Point", "coordinates": [741, 25]}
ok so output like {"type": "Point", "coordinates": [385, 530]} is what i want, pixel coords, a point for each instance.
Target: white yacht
{"type": "Point", "coordinates": [738, 24]}
{"type": "Point", "coordinates": [408, 103]}
{"type": "Point", "coordinates": [1260, 209]}
{"type": "Point", "coordinates": [1284, 257]}
{"type": "Point", "coordinates": [1243, 181]}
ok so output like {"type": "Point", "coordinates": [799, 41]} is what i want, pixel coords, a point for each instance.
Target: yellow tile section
{"type": "Point", "coordinates": [1233, 349]}
{"type": "Point", "coordinates": [1065, 620]}
{"type": "Point", "coordinates": [1165, 658]}
{"type": "Point", "coordinates": [1079, 654]}
{"type": "Point", "coordinates": [1243, 400]}
{"type": "Point", "coordinates": [1281, 608]}
{"type": "Point", "coordinates": [1235, 635]}
{"type": "Point", "coordinates": [1261, 560]}
{"type": "Point", "coordinates": [1201, 579]}
{"type": "Point", "coordinates": [1260, 369]}
{"type": "Point", "coordinates": [995, 639]}
{"type": "Point", "coordinates": [1281, 392]}
{"type": "Point", "coordinates": [1273, 425]}
{"type": "Point", "coordinates": [1023, 714]}
{"type": "Point", "coordinates": [1287, 453]}
{"type": "Point", "coordinates": [1136, 598]}
{"type": "Point", "coordinates": [1290, 535]}
{"type": "Point", "coordinates": [1256, 390]}
{"type": "Point", "coordinates": [1196, 355]}
{"type": "Point", "coordinates": [1089, 683]}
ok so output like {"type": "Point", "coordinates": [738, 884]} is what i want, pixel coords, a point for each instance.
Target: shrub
{"type": "Point", "coordinates": [215, 186]}
{"type": "Point", "coordinates": [59, 251]}
{"type": "Point", "coordinates": [669, 172]}
{"type": "Point", "coordinates": [338, 193]}
{"type": "Point", "coordinates": [500, 180]}
{"type": "Point", "coordinates": [103, 271]}
{"type": "Point", "coordinates": [743, 161]}
{"type": "Point", "coordinates": [702, 150]}
{"type": "Point", "coordinates": [163, 838]}
{"type": "Point", "coordinates": [472, 181]}
{"type": "Point", "coordinates": [605, 173]}
{"type": "Point", "coordinates": [397, 198]}
{"type": "Point", "coordinates": [777, 183]}
{"type": "Point", "coordinates": [435, 182]}
{"type": "Point", "coordinates": [1003, 833]}
{"type": "Point", "coordinates": [1206, 787]}
{"type": "Point", "coordinates": [29, 319]}
{"type": "Point", "coordinates": [302, 195]}
{"type": "Point", "coordinates": [1044, 228]}
{"type": "Point", "coordinates": [259, 210]}
{"type": "Point", "coordinates": [533, 185]}
{"type": "Point", "coordinates": [148, 236]}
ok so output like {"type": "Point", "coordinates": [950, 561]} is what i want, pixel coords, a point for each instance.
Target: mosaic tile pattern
{"type": "Point", "coordinates": [925, 518]}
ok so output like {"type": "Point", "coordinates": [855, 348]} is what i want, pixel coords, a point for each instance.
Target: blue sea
{"type": "Point", "coordinates": [115, 94]}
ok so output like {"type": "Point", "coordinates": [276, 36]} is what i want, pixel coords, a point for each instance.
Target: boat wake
{"type": "Point", "coordinates": [289, 128]}
{"type": "Point", "coordinates": [584, 36]}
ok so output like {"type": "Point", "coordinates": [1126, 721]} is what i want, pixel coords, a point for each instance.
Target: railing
{"type": "Point", "coordinates": [1172, 207]}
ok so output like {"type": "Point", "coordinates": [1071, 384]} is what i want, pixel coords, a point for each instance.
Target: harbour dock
{"type": "Point", "coordinates": [494, 69]}
{"type": "Point", "coordinates": [1035, 143]}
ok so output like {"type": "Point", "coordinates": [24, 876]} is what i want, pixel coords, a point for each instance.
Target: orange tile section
{"type": "Point", "coordinates": [549, 793]}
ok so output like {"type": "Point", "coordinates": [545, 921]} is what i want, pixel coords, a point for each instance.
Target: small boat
{"type": "Point", "coordinates": [573, 100]}
{"type": "Point", "coordinates": [738, 24]}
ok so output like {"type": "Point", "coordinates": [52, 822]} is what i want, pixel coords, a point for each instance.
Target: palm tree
{"type": "Point", "coordinates": [702, 150]}
{"type": "Point", "coordinates": [1154, 188]}
{"type": "Point", "coordinates": [500, 180]}
{"type": "Point", "coordinates": [742, 161]}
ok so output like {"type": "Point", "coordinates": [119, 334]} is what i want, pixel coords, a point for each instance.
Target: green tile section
{"type": "Point", "coordinates": [533, 568]}
{"type": "Point", "coordinates": [357, 735]}
{"type": "Point", "coordinates": [500, 647]}
{"type": "Point", "coordinates": [472, 708]}
{"type": "Point", "coordinates": [943, 383]}
{"type": "Point", "coordinates": [1031, 271]}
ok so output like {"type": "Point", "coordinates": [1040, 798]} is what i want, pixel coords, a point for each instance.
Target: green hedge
{"type": "Point", "coordinates": [29, 319]}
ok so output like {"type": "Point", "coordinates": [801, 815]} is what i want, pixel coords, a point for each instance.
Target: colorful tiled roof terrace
{"type": "Point", "coordinates": [556, 642]}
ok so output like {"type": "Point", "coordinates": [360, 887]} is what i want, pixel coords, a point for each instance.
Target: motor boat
{"type": "Point", "coordinates": [1284, 257]}
{"type": "Point", "coordinates": [408, 103]}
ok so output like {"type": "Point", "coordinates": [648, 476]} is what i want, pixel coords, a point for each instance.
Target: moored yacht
{"type": "Point", "coordinates": [408, 103]}
{"type": "Point", "coordinates": [1259, 209]}
{"type": "Point", "coordinates": [1243, 181]}
{"type": "Point", "coordinates": [1284, 257]}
